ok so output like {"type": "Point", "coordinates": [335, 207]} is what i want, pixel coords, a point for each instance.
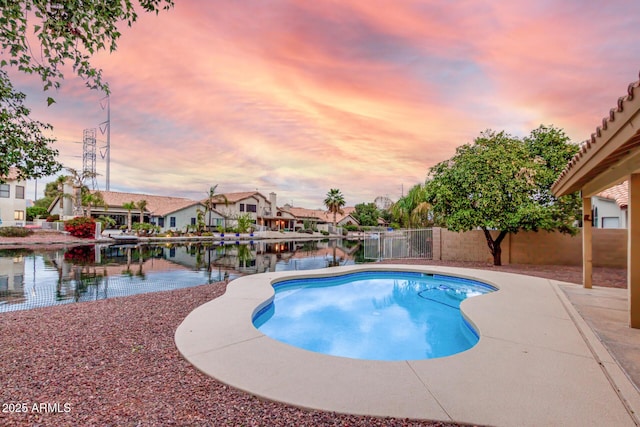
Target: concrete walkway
{"type": "Point", "coordinates": [606, 311]}
{"type": "Point", "coordinates": [537, 363]}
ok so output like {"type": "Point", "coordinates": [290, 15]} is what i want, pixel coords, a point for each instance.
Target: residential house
{"type": "Point", "coordinates": [13, 203]}
{"type": "Point", "coordinates": [610, 207]}
{"type": "Point", "coordinates": [176, 213]}
{"type": "Point", "coordinates": [263, 211]}
{"type": "Point", "coordinates": [319, 219]}
{"type": "Point", "coordinates": [169, 213]}
{"type": "Point", "coordinates": [267, 215]}
{"type": "Point", "coordinates": [12, 280]}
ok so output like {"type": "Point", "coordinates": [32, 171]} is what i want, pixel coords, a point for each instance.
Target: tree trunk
{"type": "Point", "coordinates": [494, 245]}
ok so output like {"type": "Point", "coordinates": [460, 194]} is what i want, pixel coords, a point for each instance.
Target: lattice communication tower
{"type": "Point", "coordinates": [89, 156]}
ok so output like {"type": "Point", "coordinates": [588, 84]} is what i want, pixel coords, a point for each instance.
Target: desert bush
{"type": "Point", "coordinates": [15, 232]}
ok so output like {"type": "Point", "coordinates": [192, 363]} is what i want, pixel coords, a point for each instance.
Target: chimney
{"type": "Point", "coordinates": [272, 202]}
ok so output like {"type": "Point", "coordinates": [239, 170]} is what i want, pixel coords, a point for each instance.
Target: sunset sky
{"type": "Point", "coordinates": [297, 97]}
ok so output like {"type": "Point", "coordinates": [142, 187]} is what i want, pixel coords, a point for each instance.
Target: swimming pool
{"type": "Point", "coordinates": [534, 351]}
{"type": "Point", "coordinates": [373, 315]}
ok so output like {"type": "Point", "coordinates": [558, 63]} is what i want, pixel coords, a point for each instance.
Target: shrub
{"type": "Point", "coordinates": [325, 233]}
{"type": "Point", "coordinates": [15, 232]}
{"type": "Point", "coordinates": [35, 211]}
{"type": "Point", "coordinates": [82, 227]}
{"type": "Point", "coordinates": [145, 229]}
{"type": "Point", "coordinates": [53, 218]}
{"type": "Point", "coordinates": [107, 221]}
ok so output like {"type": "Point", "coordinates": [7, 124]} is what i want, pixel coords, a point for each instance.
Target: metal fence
{"type": "Point", "coordinates": [394, 244]}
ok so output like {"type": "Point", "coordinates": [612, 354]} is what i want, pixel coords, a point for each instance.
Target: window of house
{"type": "Point", "coordinates": [241, 207]}
{"type": "Point", "coordinates": [610, 222]}
{"type": "Point", "coordinates": [19, 191]}
{"type": "Point", "coordinates": [161, 222]}
{"type": "Point", "coordinates": [18, 215]}
{"type": "Point", "coordinates": [172, 221]}
{"type": "Point", "coordinates": [4, 283]}
{"type": "Point", "coordinates": [4, 190]}
{"type": "Point", "coordinates": [193, 221]}
{"type": "Point", "coordinates": [172, 252]}
{"type": "Point", "coordinates": [594, 215]}
{"type": "Point", "coordinates": [252, 208]}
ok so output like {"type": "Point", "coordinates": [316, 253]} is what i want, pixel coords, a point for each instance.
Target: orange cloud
{"type": "Point", "coordinates": [298, 97]}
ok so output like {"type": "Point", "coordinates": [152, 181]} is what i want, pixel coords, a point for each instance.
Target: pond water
{"type": "Point", "coordinates": [30, 279]}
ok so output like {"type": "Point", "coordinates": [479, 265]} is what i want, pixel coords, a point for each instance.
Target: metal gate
{"type": "Point", "coordinates": [394, 244]}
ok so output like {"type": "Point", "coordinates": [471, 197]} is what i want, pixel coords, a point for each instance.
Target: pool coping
{"type": "Point", "coordinates": [537, 362]}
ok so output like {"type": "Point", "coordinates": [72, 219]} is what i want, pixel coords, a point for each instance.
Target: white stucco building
{"type": "Point", "coordinates": [13, 203]}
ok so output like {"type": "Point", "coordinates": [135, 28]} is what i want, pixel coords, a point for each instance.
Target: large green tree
{"type": "Point", "coordinates": [44, 37]}
{"type": "Point", "coordinates": [23, 143]}
{"type": "Point", "coordinates": [502, 184]}
{"type": "Point", "coordinates": [367, 214]}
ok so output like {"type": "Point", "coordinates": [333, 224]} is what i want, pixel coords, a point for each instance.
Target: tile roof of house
{"type": "Point", "coordinates": [156, 205]}
{"type": "Point", "coordinates": [319, 214]}
{"type": "Point", "coordinates": [590, 147]}
{"type": "Point", "coordinates": [13, 174]}
{"type": "Point", "coordinates": [619, 193]}
{"type": "Point", "coordinates": [235, 197]}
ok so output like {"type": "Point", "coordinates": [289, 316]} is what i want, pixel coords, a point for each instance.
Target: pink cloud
{"type": "Point", "coordinates": [302, 96]}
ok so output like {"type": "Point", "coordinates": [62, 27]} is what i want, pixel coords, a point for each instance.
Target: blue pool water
{"type": "Point", "coordinates": [373, 315]}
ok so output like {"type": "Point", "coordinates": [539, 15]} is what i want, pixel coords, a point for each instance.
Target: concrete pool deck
{"type": "Point", "coordinates": [537, 363]}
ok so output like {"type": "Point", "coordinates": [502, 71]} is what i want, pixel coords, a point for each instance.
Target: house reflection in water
{"type": "Point", "coordinates": [31, 279]}
{"type": "Point", "coordinates": [12, 279]}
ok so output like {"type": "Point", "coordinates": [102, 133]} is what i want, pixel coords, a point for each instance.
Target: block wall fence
{"type": "Point", "coordinates": [527, 247]}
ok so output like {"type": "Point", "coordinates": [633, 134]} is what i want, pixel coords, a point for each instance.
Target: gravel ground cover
{"type": "Point", "coordinates": [114, 363]}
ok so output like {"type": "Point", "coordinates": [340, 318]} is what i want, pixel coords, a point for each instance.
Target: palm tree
{"type": "Point", "coordinates": [77, 179]}
{"type": "Point", "coordinates": [90, 199]}
{"type": "Point", "coordinates": [412, 210]}
{"type": "Point", "coordinates": [129, 207]}
{"type": "Point", "coordinates": [212, 198]}
{"type": "Point", "coordinates": [334, 203]}
{"type": "Point", "coordinates": [142, 205]}
{"type": "Point", "coordinates": [59, 191]}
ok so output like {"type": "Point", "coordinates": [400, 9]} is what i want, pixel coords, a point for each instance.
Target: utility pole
{"type": "Point", "coordinates": [105, 127]}
{"type": "Point", "coordinates": [89, 156]}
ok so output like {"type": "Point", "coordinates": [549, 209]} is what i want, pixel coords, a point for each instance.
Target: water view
{"type": "Point", "coordinates": [31, 279]}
